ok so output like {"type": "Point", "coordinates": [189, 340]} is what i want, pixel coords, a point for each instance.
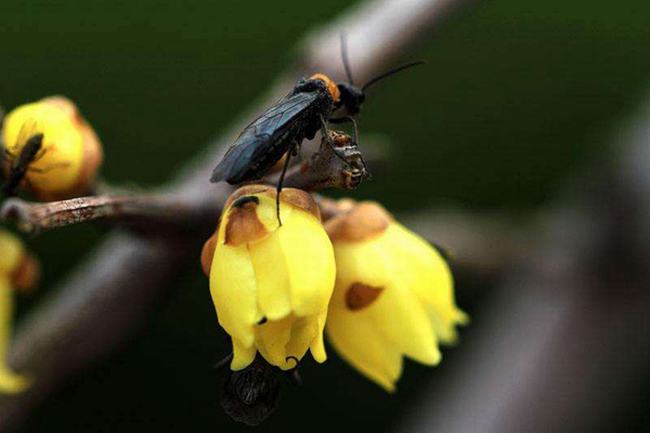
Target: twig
{"type": "Point", "coordinates": [142, 211]}
{"type": "Point", "coordinates": [339, 165]}
{"type": "Point", "coordinates": [126, 275]}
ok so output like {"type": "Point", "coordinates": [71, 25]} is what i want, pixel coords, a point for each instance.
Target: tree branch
{"type": "Point", "coordinates": [336, 165]}
{"type": "Point", "coordinates": [143, 211]}
{"type": "Point", "coordinates": [99, 306]}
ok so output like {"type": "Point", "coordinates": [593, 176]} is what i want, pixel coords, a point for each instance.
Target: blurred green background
{"type": "Point", "coordinates": [516, 97]}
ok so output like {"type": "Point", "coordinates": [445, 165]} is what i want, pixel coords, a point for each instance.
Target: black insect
{"type": "Point", "coordinates": [252, 394]}
{"type": "Point", "coordinates": [281, 129]}
{"type": "Point", "coordinates": [19, 164]}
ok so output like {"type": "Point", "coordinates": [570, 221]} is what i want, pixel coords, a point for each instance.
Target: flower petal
{"type": "Point", "coordinates": [317, 346]}
{"type": "Point", "coordinates": [400, 317]}
{"type": "Point", "coordinates": [397, 312]}
{"type": "Point", "coordinates": [310, 260]}
{"type": "Point", "coordinates": [233, 289]}
{"type": "Point", "coordinates": [10, 382]}
{"type": "Point", "coordinates": [430, 278]}
{"type": "Point", "coordinates": [6, 316]}
{"type": "Point", "coordinates": [358, 263]}
{"type": "Point", "coordinates": [241, 356]}
{"type": "Point", "coordinates": [272, 339]}
{"type": "Point", "coordinates": [302, 334]}
{"type": "Point", "coordinates": [272, 277]}
{"type": "Point", "coordinates": [358, 342]}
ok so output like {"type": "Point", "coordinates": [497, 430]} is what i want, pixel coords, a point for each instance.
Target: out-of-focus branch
{"type": "Point", "coordinates": [481, 246]}
{"type": "Point", "coordinates": [100, 305]}
{"type": "Point", "coordinates": [564, 344]}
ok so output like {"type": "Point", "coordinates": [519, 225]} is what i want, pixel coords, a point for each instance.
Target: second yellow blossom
{"type": "Point", "coordinates": [393, 296]}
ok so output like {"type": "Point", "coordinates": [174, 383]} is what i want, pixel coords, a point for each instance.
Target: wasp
{"type": "Point", "coordinates": [280, 130]}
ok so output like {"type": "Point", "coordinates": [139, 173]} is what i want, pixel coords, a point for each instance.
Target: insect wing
{"type": "Point", "coordinates": [258, 137]}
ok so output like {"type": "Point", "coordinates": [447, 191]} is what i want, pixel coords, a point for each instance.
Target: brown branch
{"type": "Point", "coordinates": [143, 211]}
{"type": "Point", "coordinates": [337, 165]}
{"type": "Point", "coordinates": [100, 305]}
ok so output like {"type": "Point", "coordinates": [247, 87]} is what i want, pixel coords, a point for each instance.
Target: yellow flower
{"type": "Point", "coordinates": [70, 155]}
{"type": "Point", "coordinates": [393, 295]}
{"type": "Point", "coordinates": [17, 270]}
{"type": "Point", "coordinates": [271, 284]}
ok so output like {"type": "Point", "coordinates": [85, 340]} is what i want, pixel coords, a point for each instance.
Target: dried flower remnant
{"type": "Point", "coordinates": [393, 295]}
{"type": "Point", "coordinates": [50, 149]}
{"type": "Point", "coordinates": [18, 271]}
{"type": "Point", "coordinates": [271, 284]}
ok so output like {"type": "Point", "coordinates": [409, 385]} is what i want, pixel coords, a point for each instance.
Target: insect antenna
{"type": "Point", "coordinates": [345, 58]}
{"type": "Point", "coordinates": [389, 73]}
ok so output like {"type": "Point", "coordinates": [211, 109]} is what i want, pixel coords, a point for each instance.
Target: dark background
{"type": "Point", "coordinates": [516, 98]}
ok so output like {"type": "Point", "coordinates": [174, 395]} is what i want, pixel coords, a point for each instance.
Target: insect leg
{"type": "Point", "coordinates": [326, 136]}
{"type": "Point", "coordinates": [294, 373]}
{"type": "Point", "coordinates": [11, 185]}
{"type": "Point", "coordinates": [8, 154]}
{"type": "Point", "coordinates": [222, 363]}
{"type": "Point", "coordinates": [48, 168]}
{"type": "Point", "coordinates": [281, 181]}
{"type": "Point", "coordinates": [343, 119]}
{"type": "Point", "coordinates": [355, 125]}
{"type": "Point", "coordinates": [350, 119]}
{"type": "Point", "coordinates": [325, 132]}
{"type": "Point", "coordinates": [39, 155]}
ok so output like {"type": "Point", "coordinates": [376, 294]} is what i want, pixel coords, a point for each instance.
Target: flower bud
{"type": "Point", "coordinates": [271, 284]}
{"type": "Point", "coordinates": [393, 295]}
{"type": "Point", "coordinates": [70, 155]}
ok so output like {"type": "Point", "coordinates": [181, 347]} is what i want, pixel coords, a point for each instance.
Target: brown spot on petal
{"type": "Point", "coordinates": [243, 224]}
{"type": "Point", "coordinates": [300, 199]}
{"type": "Point", "coordinates": [207, 253]}
{"type": "Point", "coordinates": [361, 295]}
{"type": "Point", "coordinates": [26, 276]}
{"type": "Point", "coordinates": [362, 222]}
